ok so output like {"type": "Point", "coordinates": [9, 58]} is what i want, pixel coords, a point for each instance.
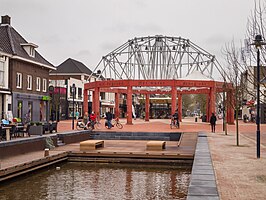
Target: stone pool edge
{"type": "Point", "coordinates": [202, 182]}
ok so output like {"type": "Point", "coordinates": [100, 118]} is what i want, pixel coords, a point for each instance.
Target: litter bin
{"type": "Point", "coordinates": [196, 119]}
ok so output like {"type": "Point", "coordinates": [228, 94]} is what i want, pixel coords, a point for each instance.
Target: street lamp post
{"type": "Point", "coordinates": [258, 43]}
{"type": "Point", "coordinates": [73, 113]}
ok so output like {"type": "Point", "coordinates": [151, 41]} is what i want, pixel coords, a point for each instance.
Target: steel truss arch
{"type": "Point", "coordinates": [156, 57]}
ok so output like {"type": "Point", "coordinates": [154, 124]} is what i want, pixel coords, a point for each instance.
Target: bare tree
{"type": "Point", "coordinates": [234, 70]}
{"type": "Point", "coordinates": [242, 61]}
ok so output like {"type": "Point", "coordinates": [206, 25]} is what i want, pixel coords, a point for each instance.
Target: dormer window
{"type": "Point", "coordinates": [29, 48]}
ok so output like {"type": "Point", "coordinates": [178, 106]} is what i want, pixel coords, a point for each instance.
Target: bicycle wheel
{"type": "Point", "coordinates": [89, 128]}
{"type": "Point", "coordinates": [177, 125]}
{"type": "Point", "coordinates": [171, 125]}
{"type": "Point", "coordinates": [119, 125]}
{"type": "Point", "coordinates": [98, 125]}
{"type": "Point", "coordinates": [79, 126]}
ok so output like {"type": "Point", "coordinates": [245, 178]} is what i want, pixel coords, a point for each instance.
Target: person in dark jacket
{"type": "Point", "coordinates": [213, 120]}
{"type": "Point", "coordinates": [176, 118]}
{"type": "Point", "coordinates": [109, 118]}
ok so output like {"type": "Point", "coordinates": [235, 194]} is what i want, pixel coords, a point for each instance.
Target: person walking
{"type": "Point", "coordinates": [213, 120]}
{"type": "Point", "coordinates": [77, 115]}
{"type": "Point", "coordinates": [109, 118]}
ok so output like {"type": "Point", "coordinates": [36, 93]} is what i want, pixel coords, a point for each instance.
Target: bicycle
{"type": "Point", "coordinates": [98, 124]}
{"type": "Point", "coordinates": [174, 123]}
{"type": "Point", "coordinates": [115, 122]}
{"type": "Point", "coordinates": [81, 126]}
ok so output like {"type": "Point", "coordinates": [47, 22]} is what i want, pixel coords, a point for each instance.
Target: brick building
{"type": "Point", "coordinates": [24, 76]}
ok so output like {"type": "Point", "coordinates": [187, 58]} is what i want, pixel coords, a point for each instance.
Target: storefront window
{"type": "Point", "coordinates": [20, 106]}
{"type": "Point", "coordinates": [30, 110]}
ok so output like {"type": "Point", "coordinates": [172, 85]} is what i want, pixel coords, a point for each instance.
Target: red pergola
{"type": "Point", "coordinates": [158, 65]}
{"type": "Point", "coordinates": [177, 89]}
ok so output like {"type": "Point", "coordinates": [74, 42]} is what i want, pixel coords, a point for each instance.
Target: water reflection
{"type": "Point", "coordinates": [100, 181]}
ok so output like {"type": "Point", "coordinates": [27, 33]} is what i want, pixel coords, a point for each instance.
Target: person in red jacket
{"type": "Point", "coordinates": [92, 119]}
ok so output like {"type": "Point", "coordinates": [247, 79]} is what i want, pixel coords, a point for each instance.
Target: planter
{"type": "Point", "coordinates": [50, 127]}
{"type": "Point", "coordinates": [36, 130]}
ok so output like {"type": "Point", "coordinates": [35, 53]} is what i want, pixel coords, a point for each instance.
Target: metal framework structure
{"type": "Point", "coordinates": [158, 65]}
{"type": "Point", "coordinates": [156, 57]}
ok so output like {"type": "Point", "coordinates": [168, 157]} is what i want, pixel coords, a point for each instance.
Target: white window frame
{"type": "Point", "coordinates": [32, 52]}
{"type": "Point", "coordinates": [2, 73]}
{"type": "Point", "coordinates": [29, 82]}
{"type": "Point", "coordinates": [19, 80]}
{"type": "Point", "coordinates": [38, 84]}
{"type": "Point", "coordinates": [44, 85]}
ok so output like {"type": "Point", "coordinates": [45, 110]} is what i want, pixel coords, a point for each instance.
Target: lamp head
{"type": "Point", "coordinates": [258, 41]}
{"type": "Point", "coordinates": [258, 38]}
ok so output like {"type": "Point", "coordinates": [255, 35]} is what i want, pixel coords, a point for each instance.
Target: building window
{"type": "Point", "coordinates": [38, 84]}
{"type": "Point", "coordinates": [29, 82]}
{"type": "Point", "coordinates": [30, 108]}
{"type": "Point", "coordinates": [32, 52]}
{"type": "Point", "coordinates": [19, 80]}
{"type": "Point", "coordinates": [102, 95]}
{"type": "Point", "coordinates": [2, 73]}
{"type": "Point", "coordinates": [71, 92]}
{"type": "Point", "coordinates": [44, 85]}
{"type": "Point", "coordinates": [79, 93]}
{"type": "Point", "coordinates": [20, 108]}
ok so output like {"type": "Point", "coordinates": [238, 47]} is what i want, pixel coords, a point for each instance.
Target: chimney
{"type": "Point", "coordinates": [6, 20]}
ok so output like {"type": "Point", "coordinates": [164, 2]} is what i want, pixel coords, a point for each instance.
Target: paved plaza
{"type": "Point", "coordinates": [239, 174]}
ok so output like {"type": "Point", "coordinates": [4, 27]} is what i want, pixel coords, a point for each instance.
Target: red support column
{"type": "Point", "coordinates": [180, 107]}
{"type": "Point", "coordinates": [212, 100]}
{"type": "Point", "coordinates": [85, 101]}
{"type": "Point", "coordinates": [93, 101]}
{"type": "Point", "coordinates": [147, 107]}
{"type": "Point", "coordinates": [174, 95]}
{"type": "Point", "coordinates": [96, 103]}
{"type": "Point", "coordinates": [129, 105]}
{"type": "Point", "coordinates": [208, 107]}
{"type": "Point", "coordinates": [117, 105]}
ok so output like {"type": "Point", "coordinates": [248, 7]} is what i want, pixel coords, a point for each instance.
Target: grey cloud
{"type": "Point", "coordinates": [124, 27]}
{"type": "Point", "coordinates": [84, 52]}
{"type": "Point", "coordinates": [51, 39]}
{"type": "Point", "coordinates": [109, 46]}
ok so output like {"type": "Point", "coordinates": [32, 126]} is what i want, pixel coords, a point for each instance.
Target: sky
{"type": "Point", "coordinates": [86, 30]}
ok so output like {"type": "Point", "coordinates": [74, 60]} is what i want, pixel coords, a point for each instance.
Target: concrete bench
{"type": "Point", "coordinates": [155, 145]}
{"type": "Point", "coordinates": [91, 144]}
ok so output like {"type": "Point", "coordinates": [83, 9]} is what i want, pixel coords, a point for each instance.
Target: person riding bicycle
{"type": "Point", "coordinates": [85, 118]}
{"type": "Point", "coordinates": [176, 118]}
{"type": "Point", "coordinates": [92, 119]}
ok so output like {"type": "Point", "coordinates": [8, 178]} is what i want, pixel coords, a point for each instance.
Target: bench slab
{"type": "Point", "coordinates": [155, 145]}
{"type": "Point", "coordinates": [91, 144]}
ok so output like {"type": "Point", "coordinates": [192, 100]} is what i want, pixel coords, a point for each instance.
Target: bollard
{"type": "Point", "coordinates": [46, 152]}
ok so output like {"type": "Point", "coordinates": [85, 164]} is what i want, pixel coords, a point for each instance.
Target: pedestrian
{"type": "Point", "coordinates": [213, 120]}
{"type": "Point", "coordinates": [92, 119]}
{"type": "Point", "coordinates": [77, 115]}
{"type": "Point", "coordinates": [109, 118]}
{"type": "Point", "coordinates": [176, 118]}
